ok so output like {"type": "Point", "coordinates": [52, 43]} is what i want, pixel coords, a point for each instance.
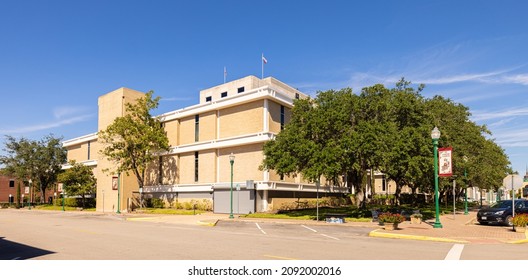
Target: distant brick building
{"type": "Point", "coordinates": [8, 189]}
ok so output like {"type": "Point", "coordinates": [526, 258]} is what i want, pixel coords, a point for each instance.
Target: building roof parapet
{"type": "Point", "coordinates": [80, 140]}
{"type": "Point", "coordinates": [92, 162]}
{"type": "Point", "coordinates": [250, 95]}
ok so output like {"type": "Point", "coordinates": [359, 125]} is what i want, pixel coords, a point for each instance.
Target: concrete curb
{"type": "Point", "coordinates": [209, 223]}
{"type": "Point", "coordinates": [522, 241]}
{"type": "Point", "coordinates": [378, 233]}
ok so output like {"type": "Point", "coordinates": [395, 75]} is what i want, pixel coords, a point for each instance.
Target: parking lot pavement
{"type": "Point", "coordinates": [459, 228]}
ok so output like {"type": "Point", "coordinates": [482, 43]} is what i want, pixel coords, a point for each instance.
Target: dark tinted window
{"type": "Point", "coordinates": [240, 89]}
{"type": "Point", "coordinates": [223, 94]}
{"type": "Point", "coordinates": [208, 98]}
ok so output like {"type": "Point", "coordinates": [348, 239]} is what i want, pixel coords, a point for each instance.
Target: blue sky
{"type": "Point", "coordinates": [57, 57]}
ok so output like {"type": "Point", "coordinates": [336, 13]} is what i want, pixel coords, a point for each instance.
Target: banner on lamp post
{"type": "Point", "coordinates": [445, 162]}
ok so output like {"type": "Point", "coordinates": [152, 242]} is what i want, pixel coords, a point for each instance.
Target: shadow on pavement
{"type": "Point", "coordinates": [16, 251]}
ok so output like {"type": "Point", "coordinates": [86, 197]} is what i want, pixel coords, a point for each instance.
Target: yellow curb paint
{"type": "Point", "coordinates": [205, 223]}
{"type": "Point", "coordinates": [522, 241]}
{"type": "Point", "coordinates": [376, 233]}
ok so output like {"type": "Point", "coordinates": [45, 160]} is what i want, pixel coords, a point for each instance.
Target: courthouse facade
{"type": "Point", "coordinates": [232, 118]}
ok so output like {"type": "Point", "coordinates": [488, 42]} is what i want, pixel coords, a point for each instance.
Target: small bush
{"type": "Point", "coordinates": [157, 203]}
{"type": "Point", "coordinates": [520, 220]}
{"type": "Point", "coordinates": [391, 218]}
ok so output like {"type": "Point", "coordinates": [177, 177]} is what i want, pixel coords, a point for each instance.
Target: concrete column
{"type": "Point", "coordinates": [264, 207]}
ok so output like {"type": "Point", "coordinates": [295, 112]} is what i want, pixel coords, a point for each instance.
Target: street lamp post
{"type": "Point", "coordinates": [231, 161]}
{"type": "Point", "coordinates": [10, 196]}
{"type": "Point", "coordinates": [29, 199]}
{"type": "Point", "coordinates": [435, 135]}
{"type": "Point", "coordinates": [63, 195]}
{"type": "Point", "coordinates": [465, 192]}
{"type": "Point", "coordinates": [118, 193]}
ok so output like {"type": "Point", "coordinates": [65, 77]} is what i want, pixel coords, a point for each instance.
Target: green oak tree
{"type": "Point", "coordinates": [133, 141]}
{"type": "Point", "coordinates": [78, 180]}
{"type": "Point", "coordinates": [39, 161]}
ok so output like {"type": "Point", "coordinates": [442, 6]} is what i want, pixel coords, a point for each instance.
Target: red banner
{"type": "Point", "coordinates": [445, 163]}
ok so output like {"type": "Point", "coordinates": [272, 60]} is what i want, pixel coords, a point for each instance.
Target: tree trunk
{"type": "Point", "coordinates": [397, 193]}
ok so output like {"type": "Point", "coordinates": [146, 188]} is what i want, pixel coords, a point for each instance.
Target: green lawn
{"type": "Point", "coordinates": [59, 208]}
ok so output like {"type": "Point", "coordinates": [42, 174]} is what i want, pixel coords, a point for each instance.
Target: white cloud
{"type": "Point", "coordinates": [61, 112]}
{"type": "Point", "coordinates": [176, 99]}
{"type": "Point", "coordinates": [517, 79]}
{"type": "Point", "coordinates": [45, 126]}
{"type": "Point", "coordinates": [514, 112]}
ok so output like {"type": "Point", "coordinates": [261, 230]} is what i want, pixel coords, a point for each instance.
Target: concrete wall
{"type": "Point", "coordinates": [246, 165]}
{"type": "Point", "coordinates": [111, 106]}
{"type": "Point", "coordinates": [241, 120]}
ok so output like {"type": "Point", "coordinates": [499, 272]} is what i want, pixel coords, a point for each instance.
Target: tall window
{"type": "Point", "coordinates": [11, 183]}
{"type": "Point", "coordinates": [196, 128]}
{"type": "Point", "coordinates": [88, 150]}
{"type": "Point", "coordinates": [160, 170]}
{"type": "Point", "coordinates": [383, 184]}
{"type": "Point", "coordinates": [282, 117]}
{"type": "Point", "coordinates": [196, 166]}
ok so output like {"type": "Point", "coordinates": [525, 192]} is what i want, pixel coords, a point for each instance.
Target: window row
{"type": "Point", "coordinates": [224, 94]}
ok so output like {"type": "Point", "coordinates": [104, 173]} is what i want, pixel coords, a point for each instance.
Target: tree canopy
{"type": "Point", "coordinates": [78, 180]}
{"type": "Point", "coordinates": [339, 134]}
{"type": "Point", "coordinates": [133, 141]}
{"type": "Point", "coordinates": [39, 161]}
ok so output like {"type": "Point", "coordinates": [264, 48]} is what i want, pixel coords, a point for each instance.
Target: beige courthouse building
{"type": "Point", "coordinates": [236, 118]}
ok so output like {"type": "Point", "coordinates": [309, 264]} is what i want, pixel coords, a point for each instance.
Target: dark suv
{"type": "Point", "coordinates": [501, 212]}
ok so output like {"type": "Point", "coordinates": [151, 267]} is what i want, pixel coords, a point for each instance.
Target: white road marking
{"type": "Point", "coordinates": [455, 252]}
{"type": "Point", "coordinates": [260, 228]}
{"type": "Point", "coordinates": [308, 228]}
{"type": "Point", "coordinates": [330, 236]}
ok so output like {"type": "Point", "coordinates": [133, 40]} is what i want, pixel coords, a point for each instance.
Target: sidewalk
{"type": "Point", "coordinates": [457, 229]}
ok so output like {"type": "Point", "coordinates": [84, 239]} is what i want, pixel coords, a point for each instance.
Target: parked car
{"type": "Point", "coordinates": [501, 212]}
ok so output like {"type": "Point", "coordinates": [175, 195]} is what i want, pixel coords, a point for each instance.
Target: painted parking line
{"type": "Point", "coordinates": [331, 237]}
{"type": "Point", "coordinates": [455, 252]}
{"type": "Point", "coordinates": [260, 228]}
{"type": "Point", "coordinates": [313, 230]}
{"type": "Point", "coordinates": [308, 228]}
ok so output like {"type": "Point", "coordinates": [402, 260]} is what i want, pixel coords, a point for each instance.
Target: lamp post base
{"type": "Point", "coordinates": [231, 216]}
{"type": "Point", "coordinates": [466, 212]}
{"type": "Point", "coordinates": [437, 225]}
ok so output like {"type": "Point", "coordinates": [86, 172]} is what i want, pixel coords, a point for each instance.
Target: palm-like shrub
{"type": "Point", "coordinates": [390, 218]}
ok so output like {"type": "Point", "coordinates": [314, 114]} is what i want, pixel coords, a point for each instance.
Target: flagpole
{"type": "Point", "coordinates": [225, 74]}
{"type": "Point", "coordinates": [262, 62]}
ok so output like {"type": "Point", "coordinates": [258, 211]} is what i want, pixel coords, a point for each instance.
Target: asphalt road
{"type": "Point", "coordinates": [42, 235]}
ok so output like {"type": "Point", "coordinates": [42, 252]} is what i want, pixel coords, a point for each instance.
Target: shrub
{"type": "Point", "coordinates": [520, 220]}
{"type": "Point", "coordinates": [157, 203]}
{"type": "Point", "coordinates": [390, 218]}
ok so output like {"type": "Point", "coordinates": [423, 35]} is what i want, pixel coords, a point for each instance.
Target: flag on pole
{"type": "Point", "coordinates": [264, 61]}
